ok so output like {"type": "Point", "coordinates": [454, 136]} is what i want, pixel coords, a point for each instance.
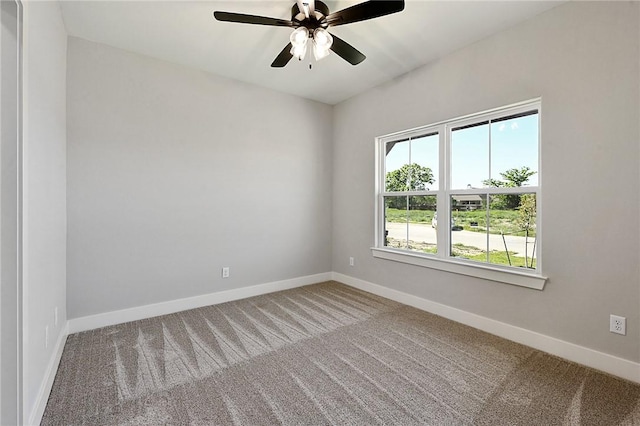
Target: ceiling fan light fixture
{"type": "Point", "coordinates": [322, 38]}
{"type": "Point", "coordinates": [299, 52]}
{"type": "Point", "coordinates": [322, 42]}
{"type": "Point", "coordinates": [310, 18]}
{"type": "Point", "coordinates": [319, 53]}
{"type": "Point", "coordinates": [299, 38]}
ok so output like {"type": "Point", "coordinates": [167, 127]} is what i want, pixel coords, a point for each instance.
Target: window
{"type": "Point", "coordinates": [462, 195]}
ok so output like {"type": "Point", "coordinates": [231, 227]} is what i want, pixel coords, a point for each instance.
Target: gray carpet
{"type": "Point", "coordinates": [322, 354]}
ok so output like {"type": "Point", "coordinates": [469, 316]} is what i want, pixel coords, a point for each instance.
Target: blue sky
{"type": "Point", "coordinates": [514, 144]}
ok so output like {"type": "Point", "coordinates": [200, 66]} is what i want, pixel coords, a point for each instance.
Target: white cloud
{"type": "Point", "coordinates": [502, 126]}
{"type": "Point", "coordinates": [514, 125]}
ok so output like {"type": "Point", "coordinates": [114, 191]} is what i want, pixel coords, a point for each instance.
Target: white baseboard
{"type": "Point", "coordinates": [582, 355]}
{"type": "Point", "coordinates": [35, 417]}
{"type": "Point", "coordinates": [147, 311]}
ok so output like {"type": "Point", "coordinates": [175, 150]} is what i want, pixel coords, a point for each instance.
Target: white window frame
{"type": "Point", "coordinates": [442, 260]}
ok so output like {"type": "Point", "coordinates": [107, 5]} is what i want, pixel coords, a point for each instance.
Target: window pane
{"type": "Point", "coordinates": [470, 157]}
{"type": "Point", "coordinates": [497, 150]}
{"type": "Point", "coordinates": [396, 156]}
{"type": "Point", "coordinates": [512, 230]}
{"type": "Point", "coordinates": [395, 222]}
{"type": "Point", "coordinates": [422, 233]}
{"type": "Point", "coordinates": [424, 157]}
{"type": "Point", "coordinates": [514, 151]}
{"type": "Point", "coordinates": [469, 227]}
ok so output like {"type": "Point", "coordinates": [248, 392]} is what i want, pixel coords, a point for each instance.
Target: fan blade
{"type": "Point", "coordinates": [283, 57]}
{"type": "Point", "coordinates": [252, 19]}
{"type": "Point", "coordinates": [346, 51]}
{"type": "Point", "coordinates": [363, 11]}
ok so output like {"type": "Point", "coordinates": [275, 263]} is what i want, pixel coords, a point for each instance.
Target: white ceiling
{"type": "Point", "coordinates": [185, 32]}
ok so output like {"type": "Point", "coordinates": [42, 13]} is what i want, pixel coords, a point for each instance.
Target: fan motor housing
{"type": "Point", "coordinates": [321, 11]}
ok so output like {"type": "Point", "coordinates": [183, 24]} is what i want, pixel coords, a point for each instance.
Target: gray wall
{"type": "Point", "coordinates": [582, 58]}
{"type": "Point", "coordinates": [10, 244]}
{"type": "Point", "coordinates": [174, 173]}
{"type": "Point", "coordinates": [44, 175]}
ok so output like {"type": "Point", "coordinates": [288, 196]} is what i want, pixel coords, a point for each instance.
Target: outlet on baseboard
{"type": "Point", "coordinates": [618, 324]}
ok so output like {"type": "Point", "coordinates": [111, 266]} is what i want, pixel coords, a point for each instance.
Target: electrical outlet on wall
{"type": "Point", "coordinates": [351, 261]}
{"type": "Point", "coordinates": [618, 324]}
{"type": "Point", "coordinates": [225, 272]}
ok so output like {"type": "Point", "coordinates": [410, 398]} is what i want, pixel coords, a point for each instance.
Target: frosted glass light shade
{"type": "Point", "coordinates": [299, 38]}
{"type": "Point", "coordinates": [322, 42]}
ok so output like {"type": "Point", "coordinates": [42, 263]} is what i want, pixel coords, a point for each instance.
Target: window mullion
{"type": "Point", "coordinates": [487, 218]}
{"type": "Point", "coordinates": [409, 188]}
{"type": "Point", "coordinates": [407, 216]}
{"type": "Point", "coordinates": [489, 200]}
{"type": "Point", "coordinates": [442, 233]}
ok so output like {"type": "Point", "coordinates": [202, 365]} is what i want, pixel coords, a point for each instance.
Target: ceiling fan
{"type": "Point", "coordinates": [311, 19]}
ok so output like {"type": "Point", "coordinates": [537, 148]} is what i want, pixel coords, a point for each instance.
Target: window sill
{"type": "Point", "coordinates": [518, 278]}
